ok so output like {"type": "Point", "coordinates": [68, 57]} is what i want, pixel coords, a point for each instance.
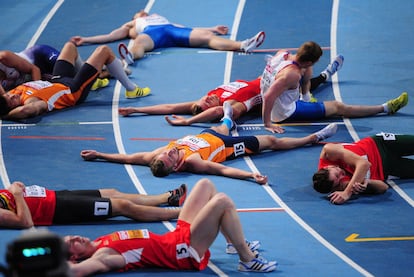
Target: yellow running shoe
{"type": "Point", "coordinates": [313, 99]}
{"type": "Point", "coordinates": [100, 83]}
{"type": "Point", "coordinates": [137, 92]}
{"type": "Point", "coordinates": [397, 103]}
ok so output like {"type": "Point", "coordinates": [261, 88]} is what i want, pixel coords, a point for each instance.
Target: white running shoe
{"type": "Point", "coordinates": [125, 54]}
{"type": "Point", "coordinates": [333, 67]}
{"type": "Point", "coordinates": [326, 132]}
{"type": "Point", "coordinates": [258, 264]}
{"type": "Point", "coordinates": [251, 43]}
{"type": "Point", "coordinates": [253, 245]}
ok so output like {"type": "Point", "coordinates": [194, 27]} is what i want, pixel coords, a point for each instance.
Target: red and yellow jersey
{"type": "Point", "coordinates": [56, 95]}
{"type": "Point", "coordinates": [367, 148]}
{"type": "Point", "coordinates": [144, 249]}
{"type": "Point", "coordinates": [41, 203]}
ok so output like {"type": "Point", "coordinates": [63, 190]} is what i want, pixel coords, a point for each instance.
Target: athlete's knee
{"type": "Point", "coordinates": [272, 143]}
{"type": "Point", "coordinates": [340, 108]}
{"type": "Point", "coordinates": [121, 204]}
{"type": "Point", "coordinates": [103, 50]}
{"type": "Point", "coordinates": [105, 53]}
{"type": "Point", "coordinates": [223, 200]}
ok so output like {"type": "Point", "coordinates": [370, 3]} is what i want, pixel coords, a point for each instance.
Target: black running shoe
{"type": "Point", "coordinates": [178, 196]}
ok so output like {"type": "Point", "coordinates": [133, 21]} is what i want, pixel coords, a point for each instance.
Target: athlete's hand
{"type": "Point", "coordinates": [339, 197]}
{"type": "Point", "coordinates": [221, 29]}
{"type": "Point", "coordinates": [89, 155]}
{"type": "Point", "coordinates": [177, 120]}
{"type": "Point", "coordinates": [261, 179]}
{"type": "Point", "coordinates": [274, 128]}
{"type": "Point", "coordinates": [126, 111]}
{"type": "Point", "coordinates": [17, 188]}
{"type": "Point", "coordinates": [77, 40]}
{"type": "Point", "coordinates": [358, 188]}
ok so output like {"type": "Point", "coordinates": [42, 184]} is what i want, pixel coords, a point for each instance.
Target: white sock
{"type": "Point", "coordinates": [385, 106]}
{"type": "Point", "coordinates": [116, 70]}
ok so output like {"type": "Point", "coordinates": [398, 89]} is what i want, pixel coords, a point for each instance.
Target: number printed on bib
{"type": "Point", "coordinates": [34, 191]}
{"type": "Point", "coordinates": [182, 251]}
{"type": "Point", "coordinates": [239, 149]}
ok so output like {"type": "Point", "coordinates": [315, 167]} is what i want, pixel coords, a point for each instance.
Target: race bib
{"type": "Point", "coordinates": [38, 84]}
{"type": "Point", "coordinates": [182, 251]}
{"type": "Point", "coordinates": [34, 191]}
{"type": "Point", "coordinates": [386, 136]}
{"type": "Point", "coordinates": [233, 86]}
{"type": "Point", "coordinates": [133, 234]}
{"type": "Point", "coordinates": [193, 142]}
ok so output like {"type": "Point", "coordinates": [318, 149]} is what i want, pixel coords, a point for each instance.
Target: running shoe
{"type": "Point", "coordinates": [326, 132]}
{"type": "Point", "coordinates": [125, 54]}
{"type": "Point", "coordinates": [397, 103]}
{"type": "Point", "coordinates": [252, 43]}
{"type": "Point", "coordinates": [253, 245]}
{"type": "Point", "coordinates": [100, 83]}
{"type": "Point", "coordinates": [177, 196]}
{"type": "Point", "coordinates": [258, 264]}
{"type": "Point", "coordinates": [137, 92]}
{"type": "Point", "coordinates": [333, 67]}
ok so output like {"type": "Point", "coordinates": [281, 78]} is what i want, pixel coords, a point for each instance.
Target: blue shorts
{"type": "Point", "coordinates": [43, 56]}
{"type": "Point", "coordinates": [308, 111]}
{"type": "Point", "coordinates": [168, 35]}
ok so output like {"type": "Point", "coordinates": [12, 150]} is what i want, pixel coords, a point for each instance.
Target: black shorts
{"type": "Point", "coordinates": [64, 73]}
{"type": "Point", "coordinates": [241, 145]}
{"type": "Point", "coordinates": [76, 206]}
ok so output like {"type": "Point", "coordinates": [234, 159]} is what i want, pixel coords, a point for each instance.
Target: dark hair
{"type": "Point", "coordinates": [309, 52]}
{"type": "Point", "coordinates": [196, 109]}
{"type": "Point", "coordinates": [158, 168]}
{"type": "Point", "coordinates": [4, 107]}
{"type": "Point", "coordinates": [321, 182]}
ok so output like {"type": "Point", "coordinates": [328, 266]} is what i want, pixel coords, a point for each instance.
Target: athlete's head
{"type": "Point", "coordinates": [79, 248]}
{"type": "Point", "coordinates": [328, 179]}
{"type": "Point", "coordinates": [166, 162]}
{"type": "Point", "coordinates": [204, 103]}
{"type": "Point", "coordinates": [8, 101]}
{"type": "Point", "coordinates": [309, 53]}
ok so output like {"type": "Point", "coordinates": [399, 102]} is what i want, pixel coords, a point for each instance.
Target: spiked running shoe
{"type": "Point", "coordinates": [100, 83]}
{"type": "Point", "coordinates": [125, 54]}
{"type": "Point", "coordinates": [252, 43]}
{"type": "Point", "coordinates": [258, 264]}
{"type": "Point", "coordinates": [397, 103]}
{"type": "Point", "coordinates": [333, 67]}
{"type": "Point", "coordinates": [326, 132]}
{"type": "Point", "coordinates": [253, 245]}
{"type": "Point", "coordinates": [177, 196]}
{"type": "Point", "coordinates": [137, 92]}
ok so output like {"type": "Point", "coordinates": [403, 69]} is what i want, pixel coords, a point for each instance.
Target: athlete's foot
{"type": "Point", "coordinates": [397, 103]}
{"type": "Point", "coordinates": [177, 196]}
{"type": "Point", "coordinates": [252, 43]}
{"type": "Point", "coordinates": [125, 54]}
{"type": "Point", "coordinates": [333, 67]}
{"type": "Point", "coordinates": [326, 132]}
{"type": "Point", "coordinates": [100, 83]}
{"type": "Point", "coordinates": [137, 92]}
